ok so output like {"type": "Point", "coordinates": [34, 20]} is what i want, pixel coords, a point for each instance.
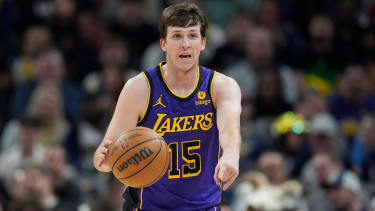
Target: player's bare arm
{"type": "Point", "coordinates": [131, 106]}
{"type": "Point", "coordinates": [227, 96]}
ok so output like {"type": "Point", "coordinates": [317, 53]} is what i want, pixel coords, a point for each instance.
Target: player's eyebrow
{"type": "Point", "coordinates": [178, 30]}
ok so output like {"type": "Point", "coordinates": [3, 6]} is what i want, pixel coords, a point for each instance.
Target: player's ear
{"type": "Point", "coordinates": [163, 44]}
{"type": "Point", "coordinates": [203, 43]}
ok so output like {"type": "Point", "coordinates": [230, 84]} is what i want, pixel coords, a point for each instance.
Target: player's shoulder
{"type": "Point", "coordinates": [138, 83]}
{"type": "Point", "coordinates": [224, 86]}
{"type": "Point", "coordinates": [221, 81]}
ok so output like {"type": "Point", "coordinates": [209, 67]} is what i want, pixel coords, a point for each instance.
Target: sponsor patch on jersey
{"type": "Point", "coordinates": [201, 99]}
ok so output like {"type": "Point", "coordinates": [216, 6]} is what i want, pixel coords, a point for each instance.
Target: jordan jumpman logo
{"type": "Point", "coordinates": [158, 102]}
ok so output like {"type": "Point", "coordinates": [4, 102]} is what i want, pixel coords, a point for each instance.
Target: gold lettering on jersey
{"type": "Point", "coordinates": [187, 126]}
{"type": "Point", "coordinates": [198, 121]}
{"type": "Point", "coordinates": [202, 102]}
{"type": "Point", "coordinates": [166, 124]}
{"type": "Point", "coordinates": [207, 121]}
{"type": "Point", "coordinates": [177, 124]}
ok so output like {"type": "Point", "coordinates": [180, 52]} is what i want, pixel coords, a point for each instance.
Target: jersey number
{"type": "Point", "coordinates": [193, 160]}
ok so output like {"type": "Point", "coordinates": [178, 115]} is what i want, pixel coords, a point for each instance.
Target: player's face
{"type": "Point", "coordinates": [183, 46]}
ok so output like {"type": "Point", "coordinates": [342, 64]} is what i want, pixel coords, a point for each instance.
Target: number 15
{"type": "Point", "coordinates": [193, 160]}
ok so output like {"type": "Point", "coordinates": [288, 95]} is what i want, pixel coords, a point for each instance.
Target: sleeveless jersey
{"type": "Point", "coordinates": [188, 125]}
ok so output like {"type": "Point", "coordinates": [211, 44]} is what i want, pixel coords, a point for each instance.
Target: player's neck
{"type": "Point", "coordinates": [182, 82]}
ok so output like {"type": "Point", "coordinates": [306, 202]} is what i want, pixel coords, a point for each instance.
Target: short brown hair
{"type": "Point", "coordinates": [182, 15]}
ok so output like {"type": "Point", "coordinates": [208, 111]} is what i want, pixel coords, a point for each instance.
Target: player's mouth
{"type": "Point", "coordinates": [184, 56]}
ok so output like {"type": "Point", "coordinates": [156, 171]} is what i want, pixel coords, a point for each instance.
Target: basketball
{"type": "Point", "coordinates": [139, 157]}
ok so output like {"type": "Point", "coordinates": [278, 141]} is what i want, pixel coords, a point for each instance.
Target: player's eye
{"type": "Point", "coordinates": [176, 36]}
{"type": "Point", "coordinates": [193, 35]}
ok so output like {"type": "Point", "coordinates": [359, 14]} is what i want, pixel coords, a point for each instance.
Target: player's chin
{"type": "Point", "coordinates": [186, 65]}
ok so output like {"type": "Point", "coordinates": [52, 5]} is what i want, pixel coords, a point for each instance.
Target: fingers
{"type": "Point", "coordinates": [229, 182]}
{"type": "Point", "coordinates": [104, 151]}
{"type": "Point", "coordinates": [216, 178]}
{"type": "Point", "coordinates": [107, 143]}
{"type": "Point", "coordinates": [102, 156]}
{"type": "Point", "coordinates": [225, 174]}
{"type": "Point", "coordinates": [101, 159]}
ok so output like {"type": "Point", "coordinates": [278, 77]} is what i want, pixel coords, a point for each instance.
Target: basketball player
{"type": "Point", "coordinates": [195, 109]}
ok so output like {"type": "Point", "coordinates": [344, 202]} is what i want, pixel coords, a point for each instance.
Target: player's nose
{"type": "Point", "coordinates": [185, 43]}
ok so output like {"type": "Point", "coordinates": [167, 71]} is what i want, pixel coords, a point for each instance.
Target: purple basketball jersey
{"type": "Point", "coordinates": [188, 125]}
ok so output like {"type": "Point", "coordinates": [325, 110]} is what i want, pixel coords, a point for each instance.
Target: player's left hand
{"type": "Point", "coordinates": [226, 170]}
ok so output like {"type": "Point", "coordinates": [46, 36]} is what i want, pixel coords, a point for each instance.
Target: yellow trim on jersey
{"type": "Point", "coordinates": [218, 158]}
{"type": "Point", "coordinates": [148, 98]}
{"type": "Point", "coordinates": [212, 82]}
{"type": "Point", "coordinates": [215, 208]}
{"type": "Point", "coordinates": [141, 197]}
{"type": "Point", "coordinates": [195, 87]}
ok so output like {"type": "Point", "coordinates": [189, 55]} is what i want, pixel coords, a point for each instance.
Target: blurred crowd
{"type": "Point", "coordinates": [306, 70]}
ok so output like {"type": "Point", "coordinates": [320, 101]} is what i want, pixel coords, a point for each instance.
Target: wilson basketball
{"type": "Point", "coordinates": [139, 157]}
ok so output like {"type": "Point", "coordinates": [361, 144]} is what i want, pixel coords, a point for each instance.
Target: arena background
{"type": "Point", "coordinates": [306, 70]}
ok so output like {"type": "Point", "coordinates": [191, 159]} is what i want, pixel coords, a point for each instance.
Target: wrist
{"type": "Point", "coordinates": [232, 153]}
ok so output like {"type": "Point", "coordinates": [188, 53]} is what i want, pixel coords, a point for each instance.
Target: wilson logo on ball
{"type": "Point", "coordinates": [143, 154]}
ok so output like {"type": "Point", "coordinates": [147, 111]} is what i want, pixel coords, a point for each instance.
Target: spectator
{"type": "Point", "coordinates": [290, 132]}
{"type": "Point", "coordinates": [46, 104]}
{"type": "Point", "coordinates": [63, 24]}
{"type": "Point", "coordinates": [27, 151]}
{"type": "Point", "coordinates": [325, 136]}
{"type": "Point", "coordinates": [269, 101]}
{"type": "Point", "coordinates": [353, 97]}
{"type": "Point", "coordinates": [288, 41]}
{"type": "Point", "coordinates": [315, 177]}
{"type": "Point", "coordinates": [234, 49]}
{"type": "Point", "coordinates": [320, 59]}
{"type": "Point", "coordinates": [132, 26]}
{"type": "Point", "coordinates": [37, 195]}
{"type": "Point", "coordinates": [302, 12]}
{"type": "Point", "coordinates": [35, 38]}
{"type": "Point", "coordinates": [311, 105]}
{"type": "Point", "coordinates": [114, 61]}
{"type": "Point", "coordinates": [345, 191]}
{"type": "Point", "coordinates": [273, 165]}
{"type": "Point", "coordinates": [286, 134]}
{"type": "Point", "coordinates": [260, 50]}
{"type": "Point", "coordinates": [92, 34]}
{"type": "Point", "coordinates": [63, 184]}
{"type": "Point", "coordinates": [49, 69]}
{"type": "Point", "coordinates": [363, 153]}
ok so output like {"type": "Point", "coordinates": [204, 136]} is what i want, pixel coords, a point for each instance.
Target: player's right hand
{"type": "Point", "coordinates": [103, 153]}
